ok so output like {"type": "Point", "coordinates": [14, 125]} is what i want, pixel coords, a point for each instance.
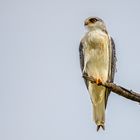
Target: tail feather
{"type": "Point", "coordinates": [98, 99]}
{"type": "Point", "coordinates": [99, 126]}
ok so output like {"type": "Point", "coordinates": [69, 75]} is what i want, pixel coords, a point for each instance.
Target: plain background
{"type": "Point", "coordinates": [42, 93]}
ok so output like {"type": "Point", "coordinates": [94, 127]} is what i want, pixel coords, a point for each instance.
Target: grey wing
{"type": "Point", "coordinates": [81, 55]}
{"type": "Point", "coordinates": [113, 61]}
{"type": "Point", "coordinates": [112, 67]}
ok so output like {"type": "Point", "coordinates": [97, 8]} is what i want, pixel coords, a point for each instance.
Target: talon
{"type": "Point", "coordinates": [98, 81]}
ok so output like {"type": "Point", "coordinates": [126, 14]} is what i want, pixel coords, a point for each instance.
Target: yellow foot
{"type": "Point", "coordinates": [98, 81]}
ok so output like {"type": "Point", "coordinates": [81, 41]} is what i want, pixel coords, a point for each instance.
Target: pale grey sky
{"type": "Point", "coordinates": [42, 94]}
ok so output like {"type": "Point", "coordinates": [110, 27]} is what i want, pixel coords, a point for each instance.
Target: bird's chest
{"type": "Point", "coordinates": [96, 46]}
{"type": "Point", "coordinates": [96, 40]}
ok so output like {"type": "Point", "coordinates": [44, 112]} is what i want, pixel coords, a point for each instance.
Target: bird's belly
{"type": "Point", "coordinates": [97, 65]}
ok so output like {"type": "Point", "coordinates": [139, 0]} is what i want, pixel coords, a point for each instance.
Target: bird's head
{"type": "Point", "coordinates": [94, 23]}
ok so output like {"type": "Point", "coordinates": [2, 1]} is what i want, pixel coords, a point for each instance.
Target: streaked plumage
{"type": "Point", "coordinates": [97, 59]}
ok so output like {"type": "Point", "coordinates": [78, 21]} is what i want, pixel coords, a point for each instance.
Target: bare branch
{"type": "Point", "coordinates": [129, 94]}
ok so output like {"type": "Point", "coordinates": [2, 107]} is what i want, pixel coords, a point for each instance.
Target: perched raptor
{"type": "Point", "coordinates": [97, 59]}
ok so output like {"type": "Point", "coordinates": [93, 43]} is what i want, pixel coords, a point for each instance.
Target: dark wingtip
{"type": "Point", "coordinates": [99, 126]}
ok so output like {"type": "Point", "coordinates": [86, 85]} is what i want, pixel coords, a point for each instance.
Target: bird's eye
{"type": "Point", "coordinates": [93, 20]}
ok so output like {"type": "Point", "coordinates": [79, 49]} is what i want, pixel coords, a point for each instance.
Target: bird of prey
{"type": "Point", "coordinates": [97, 59]}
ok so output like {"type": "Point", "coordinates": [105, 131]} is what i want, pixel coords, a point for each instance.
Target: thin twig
{"type": "Point", "coordinates": [129, 94]}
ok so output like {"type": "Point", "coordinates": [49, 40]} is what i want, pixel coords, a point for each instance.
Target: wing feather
{"type": "Point", "coordinates": [81, 55]}
{"type": "Point", "coordinates": [112, 65]}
